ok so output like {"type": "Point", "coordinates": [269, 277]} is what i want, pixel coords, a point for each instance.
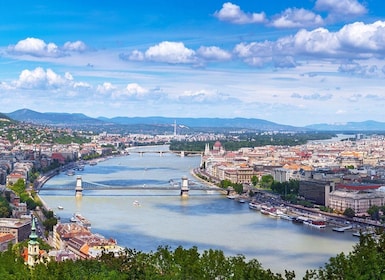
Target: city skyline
{"type": "Point", "coordinates": [291, 62]}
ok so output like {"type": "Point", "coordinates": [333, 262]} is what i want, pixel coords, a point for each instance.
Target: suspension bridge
{"type": "Point", "coordinates": [84, 186]}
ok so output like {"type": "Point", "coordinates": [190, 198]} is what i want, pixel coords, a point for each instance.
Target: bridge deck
{"type": "Point", "coordinates": [154, 188]}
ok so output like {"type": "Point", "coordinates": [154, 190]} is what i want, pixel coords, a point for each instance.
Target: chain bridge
{"type": "Point", "coordinates": [84, 186]}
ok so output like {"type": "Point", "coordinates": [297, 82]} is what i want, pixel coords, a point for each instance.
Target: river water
{"type": "Point", "coordinates": [204, 219]}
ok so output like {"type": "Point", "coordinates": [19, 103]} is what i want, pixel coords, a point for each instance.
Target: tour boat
{"type": "Point", "coordinates": [315, 223]}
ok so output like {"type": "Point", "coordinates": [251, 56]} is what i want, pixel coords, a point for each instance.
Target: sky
{"type": "Point", "coordinates": [290, 62]}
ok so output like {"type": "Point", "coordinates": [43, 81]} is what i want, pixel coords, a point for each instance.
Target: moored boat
{"type": "Point", "coordinates": [265, 209]}
{"type": "Point", "coordinates": [254, 206]}
{"type": "Point", "coordinates": [299, 220]}
{"type": "Point", "coordinates": [315, 223]}
{"type": "Point", "coordinates": [80, 220]}
{"type": "Point", "coordinates": [362, 233]}
{"type": "Point", "coordinates": [285, 217]}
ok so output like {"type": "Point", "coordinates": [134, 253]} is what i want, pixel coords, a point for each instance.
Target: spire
{"type": "Point", "coordinates": [33, 236]}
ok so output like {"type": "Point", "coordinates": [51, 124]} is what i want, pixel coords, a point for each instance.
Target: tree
{"type": "Point", "coordinates": [366, 261]}
{"type": "Point", "coordinates": [238, 188]}
{"type": "Point", "coordinates": [254, 180]}
{"type": "Point", "coordinates": [349, 212]}
{"type": "Point", "coordinates": [225, 184]}
{"type": "Point", "coordinates": [374, 212]}
{"type": "Point", "coordinates": [267, 181]}
{"type": "Point", "coordinates": [18, 187]}
{"type": "Point", "coordinates": [5, 208]}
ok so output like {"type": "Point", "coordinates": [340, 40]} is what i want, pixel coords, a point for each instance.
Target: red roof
{"type": "Point", "coordinates": [358, 187]}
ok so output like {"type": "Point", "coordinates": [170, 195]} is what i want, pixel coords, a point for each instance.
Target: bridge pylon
{"type": "Point", "coordinates": [184, 188]}
{"type": "Point", "coordinates": [79, 187]}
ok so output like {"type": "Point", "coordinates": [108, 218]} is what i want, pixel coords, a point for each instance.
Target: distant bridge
{"type": "Point", "coordinates": [181, 153]}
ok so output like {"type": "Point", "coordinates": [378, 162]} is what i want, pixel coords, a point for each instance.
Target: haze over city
{"type": "Point", "coordinates": [290, 62]}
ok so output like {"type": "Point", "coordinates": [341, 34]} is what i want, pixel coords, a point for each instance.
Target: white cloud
{"type": "Point", "coordinates": [35, 47]}
{"type": "Point", "coordinates": [213, 53]}
{"type": "Point", "coordinates": [255, 53]}
{"type": "Point", "coordinates": [134, 88]}
{"type": "Point", "coordinates": [353, 41]}
{"type": "Point", "coordinates": [295, 18]}
{"type": "Point", "coordinates": [38, 48]}
{"type": "Point", "coordinates": [206, 97]}
{"type": "Point", "coordinates": [77, 46]}
{"type": "Point", "coordinates": [46, 79]}
{"type": "Point", "coordinates": [233, 13]}
{"type": "Point", "coordinates": [363, 37]}
{"type": "Point", "coordinates": [318, 41]}
{"type": "Point", "coordinates": [105, 88]}
{"type": "Point", "coordinates": [341, 7]}
{"type": "Point", "coordinates": [170, 52]}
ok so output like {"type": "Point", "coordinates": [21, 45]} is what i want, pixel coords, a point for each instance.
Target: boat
{"type": "Point", "coordinates": [92, 163]}
{"type": "Point", "coordinates": [80, 220]}
{"type": "Point", "coordinates": [70, 172]}
{"type": "Point", "coordinates": [232, 196]}
{"type": "Point", "coordinates": [254, 206]}
{"type": "Point", "coordinates": [299, 220]}
{"type": "Point", "coordinates": [315, 223]}
{"type": "Point", "coordinates": [273, 212]}
{"type": "Point", "coordinates": [265, 209]}
{"type": "Point", "coordinates": [60, 207]}
{"type": "Point", "coordinates": [342, 229]}
{"type": "Point", "coordinates": [136, 203]}
{"type": "Point", "coordinates": [285, 216]}
{"type": "Point", "coordinates": [365, 232]}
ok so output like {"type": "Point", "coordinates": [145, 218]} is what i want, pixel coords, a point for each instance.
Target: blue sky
{"type": "Point", "coordinates": [290, 62]}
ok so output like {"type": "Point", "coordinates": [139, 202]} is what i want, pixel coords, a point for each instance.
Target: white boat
{"type": "Point", "coordinates": [60, 207]}
{"type": "Point", "coordinates": [342, 229]}
{"type": "Point", "coordinates": [285, 217]}
{"type": "Point", "coordinates": [136, 203]}
{"type": "Point", "coordinates": [254, 206]}
{"type": "Point", "coordinates": [365, 232]}
{"type": "Point", "coordinates": [265, 209]}
{"type": "Point", "coordinates": [273, 212]}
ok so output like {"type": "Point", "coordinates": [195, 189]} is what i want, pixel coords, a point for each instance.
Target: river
{"type": "Point", "coordinates": [204, 219]}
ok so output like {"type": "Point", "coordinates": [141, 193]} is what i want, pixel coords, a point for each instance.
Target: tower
{"type": "Point", "coordinates": [207, 149]}
{"type": "Point", "coordinates": [33, 246]}
{"type": "Point", "coordinates": [78, 188]}
{"type": "Point", "coordinates": [184, 189]}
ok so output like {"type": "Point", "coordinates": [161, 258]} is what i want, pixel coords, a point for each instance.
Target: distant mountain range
{"type": "Point", "coordinates": [162, 124]}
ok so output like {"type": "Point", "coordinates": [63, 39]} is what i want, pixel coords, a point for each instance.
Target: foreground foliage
{"type": "Point", "coordinates": [163, 264]}
{"type": "Point", "coordinates": [366, 261]}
